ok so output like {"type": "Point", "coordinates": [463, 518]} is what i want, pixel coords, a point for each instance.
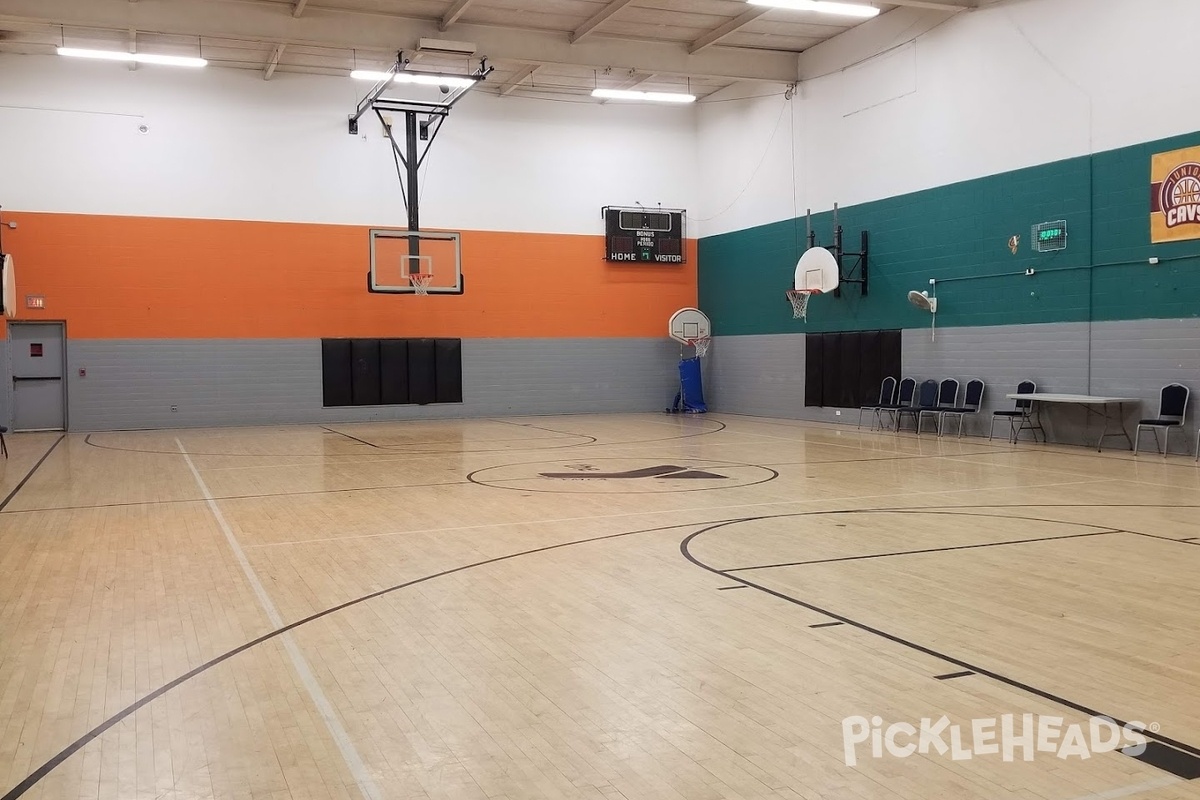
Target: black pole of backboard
{"type": "Point", "coordinates": [412, 162]}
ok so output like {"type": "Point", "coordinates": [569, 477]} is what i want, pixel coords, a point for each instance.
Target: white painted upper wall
{"type": "Point", "coordinates": [1016, 84]}
{"type": "Point", "coordinates": [225, 144]}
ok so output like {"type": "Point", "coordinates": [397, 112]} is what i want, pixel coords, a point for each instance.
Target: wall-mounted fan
{"type": "Point", "coordinates": [923, 301]}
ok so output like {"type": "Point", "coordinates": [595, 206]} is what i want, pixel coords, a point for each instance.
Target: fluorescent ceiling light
{"type": "Point", "coordinates": [425, 78]}
{"type": "Point", "coordinates": [820, 6]}
{"type": "Point", "coordinates": [656, 97]}
{"type": "Point", "coordinates": [141, 58]}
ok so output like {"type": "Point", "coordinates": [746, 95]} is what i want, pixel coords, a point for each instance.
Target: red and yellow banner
{"type": "Point", "coordinates": [1175, 196]}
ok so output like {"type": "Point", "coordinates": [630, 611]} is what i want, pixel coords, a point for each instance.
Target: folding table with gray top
{"type": "Point", "coordinates": [1097, 406]}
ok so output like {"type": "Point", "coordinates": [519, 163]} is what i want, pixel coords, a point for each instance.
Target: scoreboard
{"type": "Point", "coordinates": [644, 236]}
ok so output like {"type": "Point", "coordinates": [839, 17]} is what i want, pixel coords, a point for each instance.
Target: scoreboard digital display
{"type": "Point", "coordinates": [644, 236]}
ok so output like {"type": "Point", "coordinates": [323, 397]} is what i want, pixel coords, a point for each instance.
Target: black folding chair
{"type": "Point", "coordinates": [971, 405]}
{"type": "Point", "coordinates": [904, 399]}
{"type": "Point", "coordinates": [1024, 412]}
{"type": "Point", "coordinates": [887, 396]}
{"type": "Point", "coordinates": [927, 396]}
{"type": "Point", "coordinates": [1172, 410]}
{"type": "Point", "coordinates": [947, 398]}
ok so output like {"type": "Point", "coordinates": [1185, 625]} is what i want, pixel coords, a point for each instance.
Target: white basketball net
{"type": "Point", "coordinates": [702, 344]}
{"type": "Point", "coordinates": [420, 281]}
{"type": "Point", "coordinates": [799, 299]}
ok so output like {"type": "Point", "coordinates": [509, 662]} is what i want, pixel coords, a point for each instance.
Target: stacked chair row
{"type": "Point", "coordinates": [931, 400]}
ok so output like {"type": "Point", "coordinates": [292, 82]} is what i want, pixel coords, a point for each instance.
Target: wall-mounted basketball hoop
{"type": "Point", "coordinates": [816, 273]}
{"type": "Point", "coordinates": [852, 267]}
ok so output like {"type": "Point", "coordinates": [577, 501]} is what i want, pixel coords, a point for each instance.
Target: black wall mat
{"type": "Point", "coordinates": [813, 371]}
{"type": "Point", "coordinates": [870, 357]}
{"type": "Point", "coordinates": [391, 372]}
{"type": "Point", "coordinates": [448, 362]}
{"type": "Point", "coordinates": [845, 370]}
{"type": "Point", "coordinates": [831, 348]}
{"type": "Point", "coordinates": [422, 372]}
{"type": "Point", "coordinates": [892, 357]}
{"type": "Point", "coordinates": [849, 363]}
{"type": "Point", "coordinates": [335, 372]}
{"type": "Point", "coordinates": [364, 354]}
{"type": "Point", "coordinates": [393, 369]}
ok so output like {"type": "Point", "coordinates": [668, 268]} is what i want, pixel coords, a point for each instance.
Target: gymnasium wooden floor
{"type": "Point", "coordinates": [606, 607]}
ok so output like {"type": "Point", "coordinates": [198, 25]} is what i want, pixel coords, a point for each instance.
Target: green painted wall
{"type": "Point", "coordinates": [959, 234]}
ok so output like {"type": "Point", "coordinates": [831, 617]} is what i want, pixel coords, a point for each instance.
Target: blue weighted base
{"type": "Point", "coordinates": [690, 399]}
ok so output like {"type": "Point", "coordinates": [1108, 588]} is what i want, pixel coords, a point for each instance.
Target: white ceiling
{"type": "Point", "coordinates": [554, 47]}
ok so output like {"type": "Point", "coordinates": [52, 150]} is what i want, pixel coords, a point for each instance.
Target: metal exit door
{"type": "Point", "coordinates": [38, 368]}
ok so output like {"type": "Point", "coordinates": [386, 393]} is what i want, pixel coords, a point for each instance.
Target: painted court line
{"type": "Point", "coordinates": [354, 762]}
{"type": "Point", "coordinates": [1130, 791]}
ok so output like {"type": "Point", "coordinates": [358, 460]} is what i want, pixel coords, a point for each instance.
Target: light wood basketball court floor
{"type": "Point", "coordinates": [633, 606]}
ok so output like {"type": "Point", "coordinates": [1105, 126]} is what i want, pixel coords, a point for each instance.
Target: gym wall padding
{"type": "Point", "coordinates": [391, 371]}
{"type": "Point", "coordinates": [448, 370]}
{"type": "Point", "coordinates": [849, 367]}
{"type": "Point", "coordinates": [422, 372]}
{"type": "Point", "coordinates": [335, 373]}
{"type": "Point", "coordinates": [365, 383]}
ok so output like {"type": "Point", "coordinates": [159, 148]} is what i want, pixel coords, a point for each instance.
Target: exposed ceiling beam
{"type": "Point", "coordinates": [298, 7]}
{"type": "Point", "coordinates": [273, 62]}
{"type": "Point", "coordinates": [382, 35]}
{"type": "Point", "coordinates": [518, 79]}
{"type": "Point", "coordinates": [598, 19]}
{"type": "Point", "coordinates": [457, 10]}
{"type": "Point", "coordinates": [938, 5]}
{"type": "Point", "coordinates": [635, 80]}
{"type": "Point", "coordinates": [717, 34]}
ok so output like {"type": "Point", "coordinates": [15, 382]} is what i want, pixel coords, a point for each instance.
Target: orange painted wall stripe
{"type": "Point", "coordinates": [116, 277]}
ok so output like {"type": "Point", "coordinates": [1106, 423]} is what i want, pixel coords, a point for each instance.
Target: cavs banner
{"type": "Point", "coordinates": [1175, 196]}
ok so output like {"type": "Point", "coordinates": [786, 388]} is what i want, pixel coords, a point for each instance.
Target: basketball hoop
{"type": "Point", "coordinates": [799, 299]}
{"type": "Point", "coordinates": [420, 281]}
{"type": "Point", "coordinates": [702, 344]}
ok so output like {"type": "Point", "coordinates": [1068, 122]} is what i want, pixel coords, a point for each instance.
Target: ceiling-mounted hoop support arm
{"type": "Point", "coordinates": [422, 122]}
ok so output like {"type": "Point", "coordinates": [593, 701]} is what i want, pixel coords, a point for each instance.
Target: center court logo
{"type": "Point", "coordinates": [1005, 736]}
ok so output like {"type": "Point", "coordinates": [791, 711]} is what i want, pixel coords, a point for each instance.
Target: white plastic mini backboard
{"type": "Point", "coordinates": [817, 269]}
{"type": "Point", "coordinates": [689, 324]}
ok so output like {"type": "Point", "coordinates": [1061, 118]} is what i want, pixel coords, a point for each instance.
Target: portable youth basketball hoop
{"type": "Point", "coordinates": [816, 273]}
{"type": "Point", "coordinates": [691, 327]}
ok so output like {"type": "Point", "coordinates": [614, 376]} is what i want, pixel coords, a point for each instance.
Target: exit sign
{"type": "Point", "coordinates": [35, 301]}
{"type": "Point", "coordinates": [1050, 236]}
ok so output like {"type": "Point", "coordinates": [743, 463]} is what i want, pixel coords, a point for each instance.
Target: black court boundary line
{"type": "Point", "coordinates": [400, 452]}
{"type": "Point", "coordinates": [949, 676]}
{"type": "Point", "coordinates": [396, 450]}
{"type": "Point", "coordinates": [4, 503]}
{"type": "Point", "coordinates": [999, 447]}
{"type": "Point", "coordinates": [684, 548]}
{"type": "Point", "coordinates": [232, 497]}
{"type": "Point", "coordinates": [45, 769]}
{"type": "Point", "coordinates": [348, 436]}
{"type": "Point", "coordinates": [870, 556]}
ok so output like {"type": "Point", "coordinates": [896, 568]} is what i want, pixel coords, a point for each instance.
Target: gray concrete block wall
{"type": "Point", "coordinates": [223, 382]}
{"type": "Point", "coordinates": [764, 375]}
